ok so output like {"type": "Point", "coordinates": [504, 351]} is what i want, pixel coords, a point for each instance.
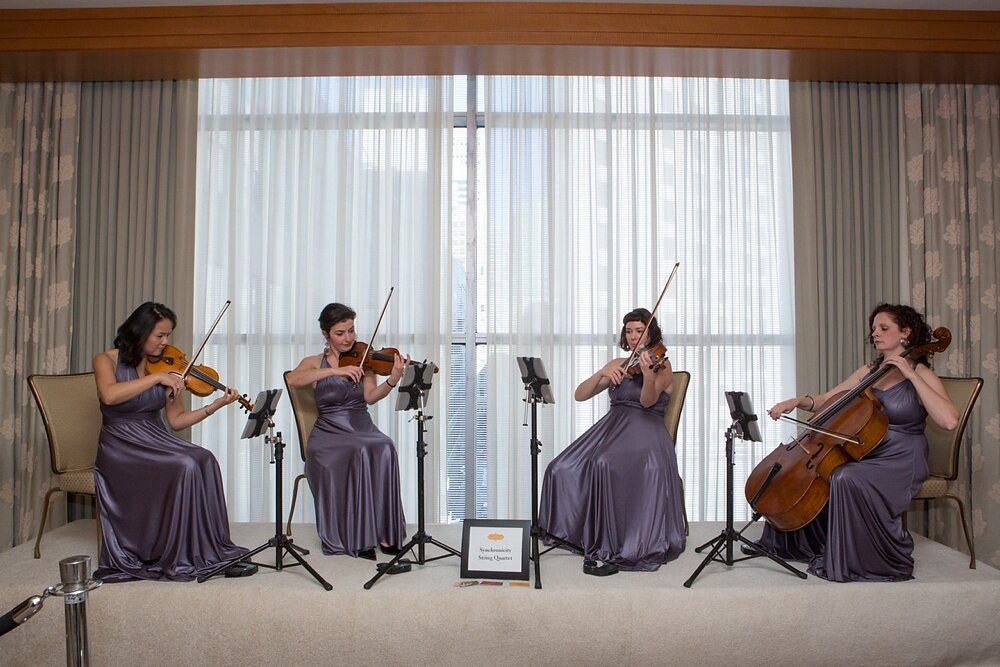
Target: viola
{"type": "Point", "coordinates": [379, 362]}
{"type": "Point", "coordinates": [790, 486]}
{"type": "Point", "coordinates": [200, 381]}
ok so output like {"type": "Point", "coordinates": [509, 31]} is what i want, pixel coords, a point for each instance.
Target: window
{"type": "Point", "coordinates": [517, 216]}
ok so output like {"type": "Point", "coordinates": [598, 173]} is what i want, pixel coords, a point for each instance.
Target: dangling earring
{"type": "Point", "coordinates": [904, 341]}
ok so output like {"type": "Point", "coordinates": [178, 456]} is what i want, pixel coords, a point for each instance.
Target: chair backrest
{"type": "Point", "coordinates": [303, 401]}
{"type": "Point", "coordinates": [672, 415]}
{"type": "Point", "coordinates": [944, 446]}
{"type": "Point", "coordinates": [71, 413]}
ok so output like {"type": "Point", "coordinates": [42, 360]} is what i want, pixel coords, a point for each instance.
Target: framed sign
{"type": "Point", "coordinates": [495, 549]}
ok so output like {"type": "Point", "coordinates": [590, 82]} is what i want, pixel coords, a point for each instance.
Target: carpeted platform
{"type": "Point", "coordinates": [753, 613]}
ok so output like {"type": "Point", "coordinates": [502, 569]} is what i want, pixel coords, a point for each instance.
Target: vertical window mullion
{"type": "Point", "coordinates": [472, 304]}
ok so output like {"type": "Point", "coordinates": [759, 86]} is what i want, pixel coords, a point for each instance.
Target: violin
{"type": "Point", "coordinates": [379, 363]}
{"type": "Point", "coordinates": [658, 351]}
{"type": "Point", "coordinates": [790, 486]}
{"type": "Point", "coordinates": [659, 354]}
{"type": "Point", "coordinates": [200, 381]}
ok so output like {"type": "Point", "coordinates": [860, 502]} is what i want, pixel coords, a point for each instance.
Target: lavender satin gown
{"type": "Point", "coordinates": [353, 472]}
{"type": "Point", "coordinates": [615, 492]}
{"type": "Point", "coordinates": [162, 508]}
{"type": "Point", "coordinates": [859, 535]}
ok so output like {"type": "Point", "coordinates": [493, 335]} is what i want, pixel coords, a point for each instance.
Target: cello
{"type": "Point", "coordinates": [790, 486]}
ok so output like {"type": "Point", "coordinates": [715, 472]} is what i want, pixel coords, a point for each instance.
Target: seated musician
{"type": "Point", "coordinates": [859, 534]}
{"type": "Point", "coordinates": [351, 465]}
{"type": "Point", "coordinates": [162, 507]}
{"type": "Point", "coordinates": [614, 493]}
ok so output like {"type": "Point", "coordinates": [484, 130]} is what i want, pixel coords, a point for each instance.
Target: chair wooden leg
{"type": "Point", "coordinates": [295, 496]}
{"type": "Point", "coordinates": [965, 527]}
{"type": "Point", "coordinates": [45, 516]}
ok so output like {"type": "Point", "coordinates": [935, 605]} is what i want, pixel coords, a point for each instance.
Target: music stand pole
{"type": "Point", "coordinates": [725, 540]}
{"type": "Point", "coordinates": [264, 410]}
{"type": "Point", "coordinates": [536, 448]}
{"type": "Point", "coordinates": [537, 389]}
{"type": "Point", "coordinates": [417, 391]}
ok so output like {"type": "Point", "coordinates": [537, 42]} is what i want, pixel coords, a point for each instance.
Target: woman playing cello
{"type": "Point", "coordinates": [859, 534]}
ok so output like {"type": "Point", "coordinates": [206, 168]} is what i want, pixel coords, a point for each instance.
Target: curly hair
{"type": "Point", "coordinates": [653, 335]}
{"type": "Point", "coordinates": [906, 318]}
{"type": "Point", "coordinates": [134, 331]}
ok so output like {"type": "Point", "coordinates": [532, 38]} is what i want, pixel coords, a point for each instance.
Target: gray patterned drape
{"type": "Point", "coordinates": [138, 144]}
{"type": "Point", "coordinates": [97, 189]}
{"type": "Point", "coordinates": [845, 159]}
{"type": "Point", "coordinates": [39, 132]}
{"type": "Point", "coordinates": [952, 166]}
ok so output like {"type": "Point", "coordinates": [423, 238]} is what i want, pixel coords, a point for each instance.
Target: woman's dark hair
{"type": "Point", "coordinates": [653, 335]}
{"type": "Point", "coordinates": [134, 331]}
{"type": "Point", "coordinates": [906, 318]}
{"type": "Point", "coordinates": [334, 313]}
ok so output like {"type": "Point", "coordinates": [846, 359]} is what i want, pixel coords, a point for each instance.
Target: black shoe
{"type": "Point", "coordinates": [399, 568]}
{"type": "Point", "coordinates": [389, 551]}
{"type": "Point", "coordinates": [241, 569]}
{"type": "Point", "coordinates": [368, 554]}
{"type": "Point", "coordinates": [755, 550]}
{"type": "Point", "coordinates": [592, 568]}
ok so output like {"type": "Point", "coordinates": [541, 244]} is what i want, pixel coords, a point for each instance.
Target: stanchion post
{"type": "Point", "coordinates": [75, 574]}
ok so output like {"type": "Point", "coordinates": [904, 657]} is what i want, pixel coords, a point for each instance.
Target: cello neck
{"type": "Point", "coordinates": [848, 398]}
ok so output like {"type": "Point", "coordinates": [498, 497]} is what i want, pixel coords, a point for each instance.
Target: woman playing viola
{"type": "Point", "coordinates": [162, 508]}
{"type": "Point", "coordinates": [614, 494]}
{"type": "Point", "coordinates": [859, 535]}
{"type": "Point", "coordinates": [351, 465]}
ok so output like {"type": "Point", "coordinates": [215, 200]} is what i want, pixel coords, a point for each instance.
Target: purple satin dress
{"type": "Point", "coordinates": [859, 535]}
{"type": "Point", "coordinates": [615, 492]}
{"type": "Point", "coordinates": [163, 512]}
{"type": "Point", "coordinates": [353, 472]}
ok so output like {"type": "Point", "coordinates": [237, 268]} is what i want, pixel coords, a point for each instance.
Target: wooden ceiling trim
{"type": "Point", "coordinates": [63, 42]}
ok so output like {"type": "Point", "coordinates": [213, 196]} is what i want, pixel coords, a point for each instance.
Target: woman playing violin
{"type": "Point", "coordinates": [162, 508]}
{"type": "Point", "coordinates": [614, 493]}
{"type": "Point", "coordinates": [859, 535]}
{"type": "Point", "coordinates": [351, 465]}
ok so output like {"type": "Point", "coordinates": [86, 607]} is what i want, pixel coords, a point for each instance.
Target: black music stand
{"type": "Point", "coordinates": [413, 388]}
{"type": "Point", "coordinates": [258, 421]}
{"type": "Point", "coordinates": [745, 427]}
{"type": "Point", "coordinates": [537, 390]}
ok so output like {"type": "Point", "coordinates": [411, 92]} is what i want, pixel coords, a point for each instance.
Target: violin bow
{"type": "Point", "coordinates": [371, 345]}
{"type": "Point", "coordinates": [652, 314]}
{"type": "Point", "coordinates": [201, 347]}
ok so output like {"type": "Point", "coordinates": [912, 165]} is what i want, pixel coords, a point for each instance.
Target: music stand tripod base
{"type": "Point", "coordinates": [744, 426]}
{"type": "Point", "coordinates": [259, 421]}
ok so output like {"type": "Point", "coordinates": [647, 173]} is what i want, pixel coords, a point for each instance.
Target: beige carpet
{"type": "Point", "coordinates": [753, 613]}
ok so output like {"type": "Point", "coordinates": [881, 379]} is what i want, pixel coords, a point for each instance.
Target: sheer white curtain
{"type": "Point", "coordinates": [596, 186]}
{"type": "Point", "coordinates": [312, 191]}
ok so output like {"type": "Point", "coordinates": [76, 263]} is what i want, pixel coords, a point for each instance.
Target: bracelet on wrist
{"type": "Point", "coordinates": [207, 411]}
{"type": "Point", "coordinates": [391, 384]}
{"type": "Point", "coordinates": [812, 402]}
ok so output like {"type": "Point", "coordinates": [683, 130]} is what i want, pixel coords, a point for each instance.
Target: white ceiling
{"type": "Point", "coordinates": [964, 5]}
